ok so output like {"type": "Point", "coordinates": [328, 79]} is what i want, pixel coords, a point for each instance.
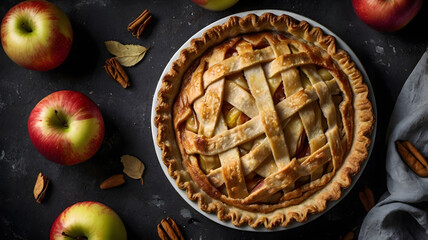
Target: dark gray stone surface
{"type": "Point", "coordinates": [387, 57]}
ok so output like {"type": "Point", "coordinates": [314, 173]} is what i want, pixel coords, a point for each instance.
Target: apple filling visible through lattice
{"type": "Point", "coordinates": [261, 117]}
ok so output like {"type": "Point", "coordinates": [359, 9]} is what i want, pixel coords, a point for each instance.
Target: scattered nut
{"type": "Point", "coordinates": [113, 181]}
{"type": "Point", "coordinates": [412, 157]}
{"type": "Point", "coordinates": [349, 236]}
{"type": "Point", "coordinates": [40, 187]}
{"type": "Point", "coordinates": [367, 198]}
{"type": "Point", "coordinates": [168, 229]}
{"type": "Point", "coordinates": [116, 71]}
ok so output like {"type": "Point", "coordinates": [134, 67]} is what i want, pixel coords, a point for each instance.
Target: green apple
{"type": "Point", "coordinates": [215, 5]}
{"type": "Point", "coordinates": [36, 35]}
{"type": "Point", "coordinates": [66, 127]}
{"type": "Point", "coordinates": [88, 220]}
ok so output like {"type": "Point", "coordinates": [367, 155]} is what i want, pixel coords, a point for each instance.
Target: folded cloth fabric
{"type": "Point", "coordinates": [402, 211]}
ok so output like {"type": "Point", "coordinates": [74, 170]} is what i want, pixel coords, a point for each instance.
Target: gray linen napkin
{"type": "Point", "coordinates": [402, 211]}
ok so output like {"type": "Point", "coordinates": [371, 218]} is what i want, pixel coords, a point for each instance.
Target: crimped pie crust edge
{"type": "Point", "coordinates": [316, 203]}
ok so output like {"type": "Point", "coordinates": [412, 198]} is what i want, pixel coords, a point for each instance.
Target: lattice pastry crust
{"type": "Point", "coordinates": [262, 120]}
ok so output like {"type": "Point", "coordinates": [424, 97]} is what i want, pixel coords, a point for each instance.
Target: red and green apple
{"type": "Point", "coordinates": [386, 15]}
{"type": "Point", "coordinates": [88, 220]}
{"type": "Point", "coordinates": [36, 35]}
{"type": "Point", "coordinates": [66, 127]}
{"type": "Point", "coordinates": [215, 5]}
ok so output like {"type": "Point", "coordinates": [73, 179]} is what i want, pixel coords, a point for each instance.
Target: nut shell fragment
{"type": "Point", "coordinates": [40, 187]}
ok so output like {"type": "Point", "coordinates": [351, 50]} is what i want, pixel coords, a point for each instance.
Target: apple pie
{"type": "Point", "coordinates": [263, 119]}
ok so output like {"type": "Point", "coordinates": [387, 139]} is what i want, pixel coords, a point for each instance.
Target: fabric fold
{"type": "Point", "coordinates": [402, 212]}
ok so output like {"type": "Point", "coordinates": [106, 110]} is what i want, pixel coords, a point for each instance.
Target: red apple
{"type": "Point", "coordinates": [66, 127]}
{"type": "Point", "coordinates": [36, 35]}
{"type": "Point", "coordinates": [88, 220]}
{"type": "Point", "coordinates": [215, 5]}
{"type": "Point", "coordinates": [386, 15]}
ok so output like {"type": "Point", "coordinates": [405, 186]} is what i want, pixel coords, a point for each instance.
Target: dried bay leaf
{"type": "Point", "coordinates": [127, 55]}
{"type": "Point", "coordinates": [130, 60]}
{"type": "Point", "coordinates": [121, 50]}
{"type": "Point", "coordinates": [132, 166]}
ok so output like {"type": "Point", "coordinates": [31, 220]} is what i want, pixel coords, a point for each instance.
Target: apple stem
{"type": "Point", "coordinates": [64, 123]}
{"type": "Point", "coordinates": [26, 27]}
{"type": "Point", "coordinates": [77, 238]}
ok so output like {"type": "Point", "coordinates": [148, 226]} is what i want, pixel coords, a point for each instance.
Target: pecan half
{"type": "Point", "coordinates": [412, 157]}
{"type": "Point", "coordinates": [137, 26]}
{"type": "Point", "coordinates": [116, 71]}
{"type": "Point", "coordinates": [168, 229]}
{"type": "Point", "coordinates": [367, 198]}
{"type": "Point", "coordinates": [113, 181]}
{"type": "Point", "coordinates": [349, 235]}
{"type": "Point", "coordinates": [40, 187]}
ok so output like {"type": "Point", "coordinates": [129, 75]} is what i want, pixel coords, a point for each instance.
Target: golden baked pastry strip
{"type": "Point", "coordinates": [212, 122]}
{"type": "Point", "coordinates": [240, 98]}
{"type": "Point", "coordinates": [309, 116]}
{"type": "Point", "coordinates": [288, 175]}
{"type": "Point", "coordinates": [198, 144]}
{"type": "Point", "coordinates": [260, 90]}
{"type": "Point", "coordinates": [329, 110]}
{"type": "Point", "coordinates": [259, 153]}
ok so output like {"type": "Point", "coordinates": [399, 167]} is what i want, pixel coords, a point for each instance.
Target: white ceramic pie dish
{"type": "Point", "coordinates": [330, 204]}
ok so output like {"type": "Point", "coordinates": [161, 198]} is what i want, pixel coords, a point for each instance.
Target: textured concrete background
{"type": "Point", "coordinates": [387, 57]}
